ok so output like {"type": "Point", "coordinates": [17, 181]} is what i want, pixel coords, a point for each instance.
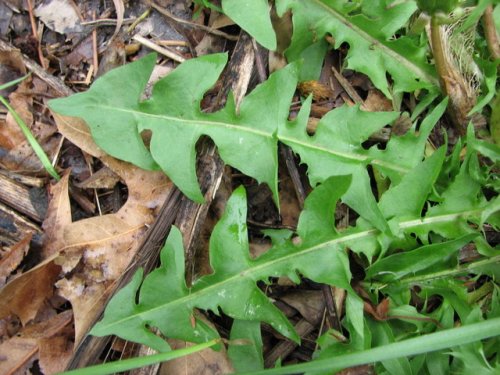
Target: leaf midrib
{"type": "Point", "coordinates": [373, 41]}
{"type": "Point", "coordinates": [246, 128]}
{"type": "Point", "coordinates": [260, 271]}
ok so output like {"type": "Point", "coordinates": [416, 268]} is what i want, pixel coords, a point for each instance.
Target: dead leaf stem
{"type": "Point", "coordinates": [35, 34]}
{"type": "Point", "coordinates": [490, 33]}
{"type": "Point", "coordinates": [164, 51]}
{"type": "Point", "coordinates": [438, 52]}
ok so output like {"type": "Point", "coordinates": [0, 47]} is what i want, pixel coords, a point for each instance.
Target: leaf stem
{"type": "Point", "coordinates": [438, 53]}
{"type": "Point", "coordinates": [423, 344]}
{"type": "Point", "coordinates": [132, 363]}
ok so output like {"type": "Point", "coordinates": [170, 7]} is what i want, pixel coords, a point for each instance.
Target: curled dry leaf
{"type": "Point", "coordinates": [120, 12]}
{"type": "Point", "coordinates": [12, 257]}
{"type": "Point", "coordinates": [58, 217]}
{"type": "Point", "coordinates": [24, 295]}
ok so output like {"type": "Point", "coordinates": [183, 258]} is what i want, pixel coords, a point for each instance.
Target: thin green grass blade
{"type": "Point", "coordinates": [14, 82]}
{"type": "Point", "coordinates": [133, 363]}
{"type": "Point", "coordinates": [40, 153]}
{"type": "Point", "coordinates": [423, 344]}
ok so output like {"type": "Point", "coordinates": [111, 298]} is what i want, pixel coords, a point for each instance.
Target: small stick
{"type": "Point", "coordinates": [261, 70]}
{"type": "Point", "coordinates": [172, 43]}
{"type": "Point", "coordinates": [347, 87]}
{"type": "Point", "coordinates": [35, 34]}
{"type": "Point", "coordinates": [138, 20]}
{"type": "Point", "coordinates": [158, 49]}
{"type": "Point", "coordinates": [106, 22]}
{"type": "Point", "coordinates": [95, 54]}
{"type": "Point", "coordinates": [209, 30]}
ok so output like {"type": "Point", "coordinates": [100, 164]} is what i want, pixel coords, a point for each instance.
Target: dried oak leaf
{"type": "Point", "coordinates": [100, 248]}
{"type": "Point", "coordinates": [24, 295]}
{"type": "Point", "coordinates": [103, 246]}
{"type": "Point", "coordinates": [37, 341]}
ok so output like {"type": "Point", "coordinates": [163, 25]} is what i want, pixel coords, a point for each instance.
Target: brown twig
{"type": "Point", "coordinates": [107, 22]}
{"type": "Point", "coordinates": [164, 51]}
{"type": "Point", "coordinates": [95, 53]}
{"type": "Point", "coordinates": [209, 30]}
{"type": "Point", "coordinates": [35, 34]}
{"type": "Point", "coordinates": [347, 86]}
{"type": "Point", "coordinates": [261, 69]}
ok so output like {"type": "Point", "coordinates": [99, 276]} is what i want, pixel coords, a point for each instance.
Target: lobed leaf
{"type": "Point", "coordinates": [337, 148]}
{"type": "Point", "coordinates": [373, 49]}
{"type": "Point", "coordinates": [108, 108]}
{"type": "Point", "coordinates": [166, 303]}
{"type": "Point", "coordinates": [247, 140]}
{"type": "Point", "coordinates": [245, 348]}
{"type": "Point", "coordinates": [231, 287]}
{"type": "Point", "coordinates": [319, 256]}
{"type": "Point", "coordinates": [174, 116]}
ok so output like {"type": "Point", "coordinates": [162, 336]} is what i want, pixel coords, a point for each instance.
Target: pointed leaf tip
{"type": "Point", "coordinates": [254, 18]}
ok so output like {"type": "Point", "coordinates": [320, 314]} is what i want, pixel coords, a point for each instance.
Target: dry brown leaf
{"type": "Point", "coordinates": [290, 209]}
{"type": "Point", "coordinates": [11, 134]}
{"type": "Point", "coordinates": [205, 362]}
{"type": "Point", "coordinates": [61, 16]}
{"type": "Point", "coordinates": [103, 246]}
{"type": "Point", "coordinates": [104, 178]}
{"type": "Point", "coordinates": [56, 352]}
{"type": "Point", "coordinates": [24, 295]}
{"type": "Point", "coordinates": [22, 158]}
{"type": "Point", "coordinates": [309, 303]}
{"type": "Point", "coordinates": [59, 215]}
{"type": "Point", "coordinates": [219, 20]}
{"type": "Point", "coordinates": [376, 101]}
{"type": "Point", "coordinates": [318, 90]}
{"type": "Point", "coordinates": [17, 355]}
{"type": "Point", "coordinates": [95, 251]}
{"type": "Point", "coordinates": [83, 52]}
{"type": "Point", "coordinates": [36, 341]}
{"type": "Point", "coordinates": [12, 257]}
